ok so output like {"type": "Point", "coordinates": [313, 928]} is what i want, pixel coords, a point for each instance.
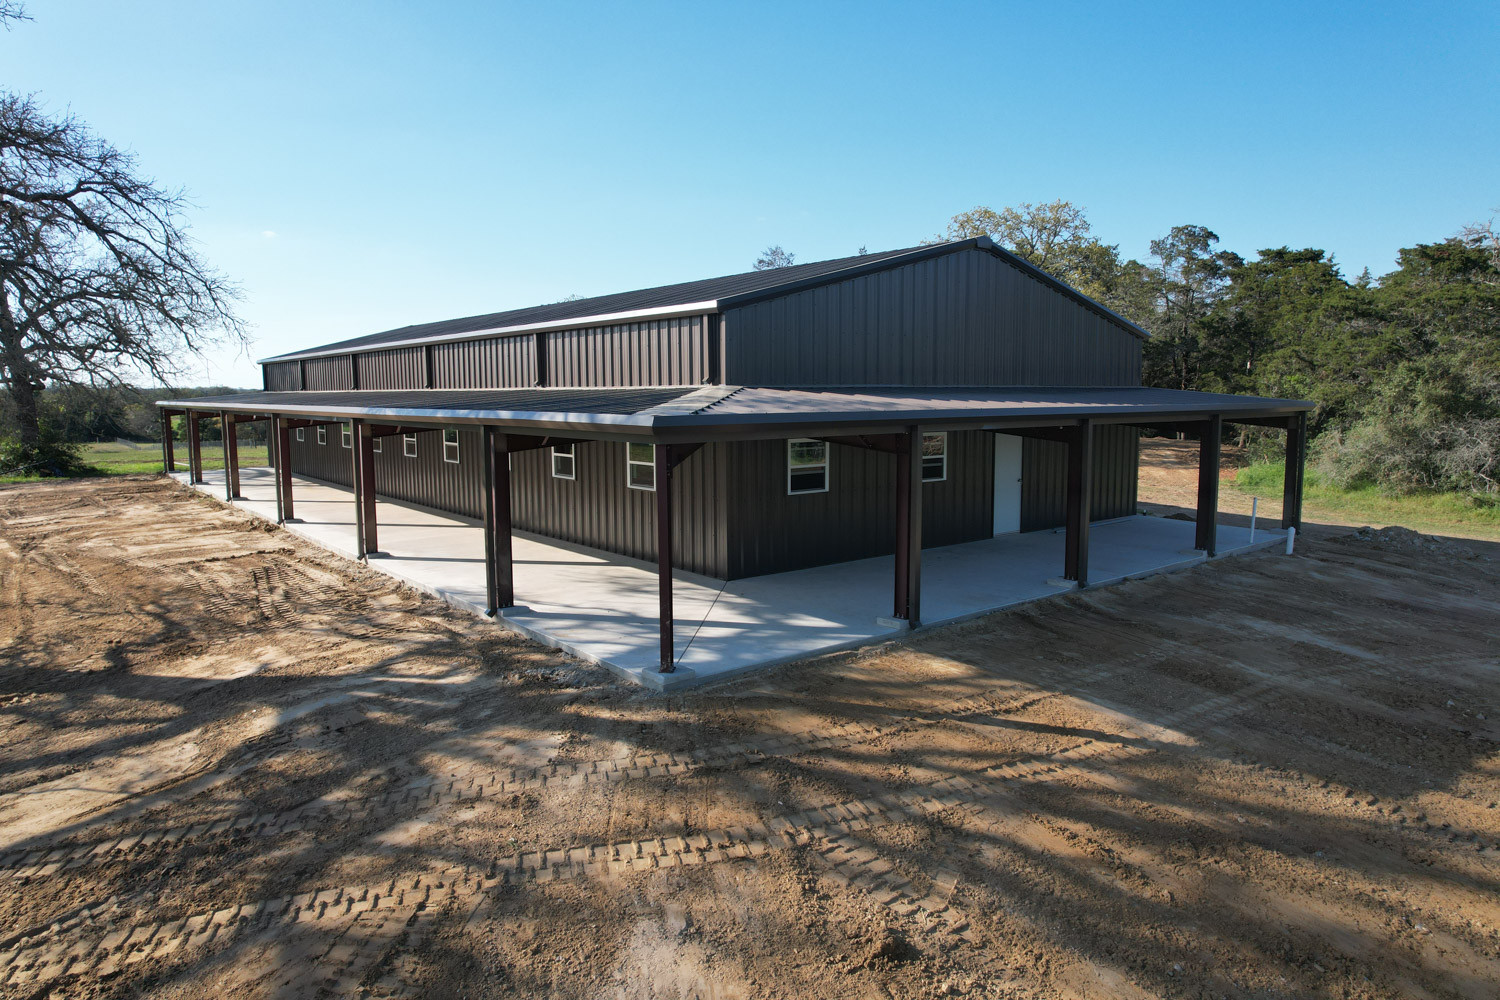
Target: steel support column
{"type": "Point", "coordinates": [168, 460]}
{"type": "Point", "coordinates": [195, 447]}
{"type": "Point", "coordinates": [359, 495]}
{"type": "Point", "coordinates": [1210, 438]}
{"type": "Point", "coordinates": [1296, 471]}
{"type": "Point", "coordinates": [273, 454]}
{"type": "Point", "coordinates": [487, 518]}
{"type": "Point", "coordinates": [364, 449]}
{"type": "Point", "coordinates": [1080, 492]}
{"type": "Point", "coordinates": [908, 603]}
{"type": "Point", "coordinates": [499, 556]}
{"type": "Point", "coordinates": [505, 559]}
{"type": "Point", "coordinates": [229, 428]}
{"type": "Point", "coordinates": [664, 554]}
{"type": "Point", "coordinates": [284, 469]}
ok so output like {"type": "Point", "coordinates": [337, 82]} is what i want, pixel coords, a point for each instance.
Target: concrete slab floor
{"type": "Point", "coordinates": [603, 607]}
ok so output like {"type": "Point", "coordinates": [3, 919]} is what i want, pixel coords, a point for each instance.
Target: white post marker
{"type": "Point", "coordinates": [1291, 539]}
{"type": "Point", "coordinates": [1254, 503]}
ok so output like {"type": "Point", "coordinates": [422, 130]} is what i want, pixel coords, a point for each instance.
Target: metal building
{"type": "Point", "coordinates": [754, 423]}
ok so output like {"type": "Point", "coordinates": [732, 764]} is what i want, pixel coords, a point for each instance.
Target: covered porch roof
{"type": "Point", "coordinates": [678, 420]}
{"type": "Point", "coordinates": [722, 412]}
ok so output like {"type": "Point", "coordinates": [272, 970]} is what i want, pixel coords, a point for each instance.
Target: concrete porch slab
{"type": "Point", "coordinates": [602, 607]}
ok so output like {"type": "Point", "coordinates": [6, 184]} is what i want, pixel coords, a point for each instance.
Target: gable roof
{"type": "Point", "coordinates": [690, 298]}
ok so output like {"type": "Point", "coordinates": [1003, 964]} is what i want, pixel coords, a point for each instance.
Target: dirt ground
{"type": "Point", "coordinates": [232, 765]}
{"type": "Point", "coordinates": [1169, 479]}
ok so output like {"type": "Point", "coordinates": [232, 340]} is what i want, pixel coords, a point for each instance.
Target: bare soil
{"type": "Point", "coordinates": [1169, 479]}
{"type": "Point", "coordinates": [232, 765]}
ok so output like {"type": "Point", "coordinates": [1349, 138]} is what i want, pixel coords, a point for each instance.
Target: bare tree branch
{"type": "Point", "coordinates": [99, 280]}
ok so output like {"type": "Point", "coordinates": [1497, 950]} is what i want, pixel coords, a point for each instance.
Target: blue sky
{"type": "Point", "coordinates": [363, 166]}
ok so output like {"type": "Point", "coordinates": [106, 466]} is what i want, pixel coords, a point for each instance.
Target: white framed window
{"type": "Point", "coordinates": [450, 445]}
{"type": "Point", "coordinates": [409, 445]}
{"type": "Point", "coordinates": [301, 433]}
{"type": "Point", "coordinates": [346, 435]}
{"type": "Point", "coordinates": [375, 444]}
{"type": "Point", "coordinates": [934, 458]}
{"type": "Point", "coordinates": [640, 466]}
{"type": "Point", "coordinates": [806, 466]}
{"type": "Point", "coordinates": [322, 435]}
{"type": "Point", "coordinates": [564, 463]}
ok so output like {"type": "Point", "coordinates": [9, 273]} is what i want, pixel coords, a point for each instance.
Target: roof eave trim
{"type": "Point", "coordinates": [577, 323]}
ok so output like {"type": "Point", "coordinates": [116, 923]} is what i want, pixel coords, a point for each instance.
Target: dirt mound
{"type": "Point", "coordinates": [1398, 539]}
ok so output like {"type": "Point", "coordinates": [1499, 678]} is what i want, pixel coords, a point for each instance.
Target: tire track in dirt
{"type": "Point", "coordinates": [41, 959]}
{"type": "Point", "coordinates": [481, 780]}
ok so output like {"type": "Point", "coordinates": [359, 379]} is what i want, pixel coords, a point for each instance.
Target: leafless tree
{"type": "Point", "coordinates": [99, 281]}
{"type": "Point", "coordinates": [1483, 236]}
{"type": "Point", "coordinates": [775, 257]}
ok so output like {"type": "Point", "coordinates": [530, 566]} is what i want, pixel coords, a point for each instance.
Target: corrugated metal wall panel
{"type": "Point", "coordinates": [599, 510]}
{"type": "Point", "coordinates": [331, 373]}
{"type": "Point", "coordinates": [330, 462]}
{"type": "Point", "coordinates": [964, 319]}
{"type": "Point", "coordinates": [283, 376]}
{"type": "Point", "coordinates": [772, 532]}
{"type": "Point", "coordinates": [595, 509]}
{"type": "Point", "coordinates": [496, 363]}
{"type": "Point", "coordinates": [661, 352]}
{"type": "Point", "coordinates": [399, 368]}
{"type": "Point", "coordinates": [1044, 478]}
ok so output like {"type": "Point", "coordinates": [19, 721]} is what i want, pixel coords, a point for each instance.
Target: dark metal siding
{"type": "Point", "coordinates": [496, 363]}
{"type": "Point", "coordinates": [597, 508]}
{"type": "Point", "coordinates": [395, 369]}
{"type": "Point", "coordinates": [330, 462]}
{"type": "Point", "coordinates": [772, 532]}
{"type": "Point", "coordinates": [329, 373]}
{"type": "Point", "coordinates": [283, 376]}
{"type": "Point", "coordinates": [425, 480]}
{"type": "Point", "coordinates": [661, 352]}
{"type": "Point", "coordinates": [1044, 478]}
{"type": "Point", "coordinates": [966, 318]}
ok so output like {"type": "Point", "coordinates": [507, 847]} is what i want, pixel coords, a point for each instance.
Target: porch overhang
{"type": "Point", "coordinates": [682, 414]}
{"type": "Point", "coordinates": [680, 419]}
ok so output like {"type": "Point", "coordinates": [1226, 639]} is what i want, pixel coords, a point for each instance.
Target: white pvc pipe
{"type": "Point", "coordinates": [1254, 503]}
{"type": "Point", "coordinates": [1291, 539]}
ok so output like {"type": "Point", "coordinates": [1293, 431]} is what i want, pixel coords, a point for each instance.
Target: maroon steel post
{"type": "Point", "coordinates": [487, 492]}
{"type": "Point", "coordinates": [664, 553]}
{"type": "Point", "coordinates": [284, 468]}
{"type": "Point", "coordinates": [357, 492]}
{"type": "Point", "coordinates": [273, 455]}
{"type": "Point", "coordinates": [1080, 492]}
{"type": "Point", "coordinates": [195, 447]}
{"type": "Point", "coordinates": [902, 608]}
{"type": "Point", "coordinates": [168, 460]}
{"type": "Point", "coordinates": [229, 424]}
{"type": "Point", "coordinates": [908, 603]}
{"type": "Point", "coordinates": [364, 441]}
{"type": "Point", "coordinates": [505, 568]}
{"type": "Point", "coordinates": [1205, 537]}
{"type": "Point", "coordinates": [1296, 460]}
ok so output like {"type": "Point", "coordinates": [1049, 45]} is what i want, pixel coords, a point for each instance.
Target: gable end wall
{"type": "Point", "coordinates": [966, 318]}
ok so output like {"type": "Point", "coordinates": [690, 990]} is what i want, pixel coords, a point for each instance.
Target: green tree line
{"type": "Point", "coordinates": [1404, 367]}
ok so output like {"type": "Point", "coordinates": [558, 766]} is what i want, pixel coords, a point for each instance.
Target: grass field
{"type": "Point", "coordinates": [1431, 513]}
{"type": "Point", "coordinates": [125, 458]}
